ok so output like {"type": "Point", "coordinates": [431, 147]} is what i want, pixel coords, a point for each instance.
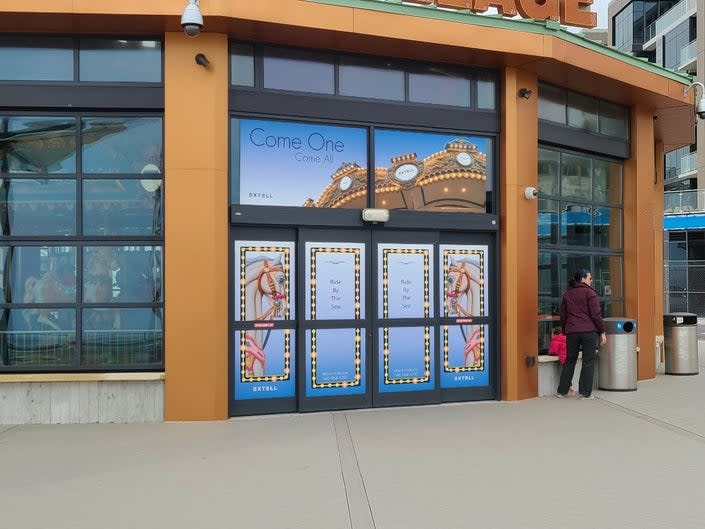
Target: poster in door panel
{"type": "Point", "coordinates": [264, 297]}
{"type": "Point", "coordinates": [335, 357]}
{"type": "Point", "coordinates": [335, 279]}
{"type": "Point", "coordinates": [335, 362]}
{"type": "Point", "coordinates": [464, 344]}
{"type": "Point", "coordinates": [405, 281]}
{"type": "Point", "coordinates": [405, 290]}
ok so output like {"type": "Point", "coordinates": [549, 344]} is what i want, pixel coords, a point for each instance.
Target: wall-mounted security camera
{"type": "Point", "coordinates": [700, 106]}
{"type": "Point", "coordinates": [192, 20]}
{"type": "Point", "coordinates": [530, 193]}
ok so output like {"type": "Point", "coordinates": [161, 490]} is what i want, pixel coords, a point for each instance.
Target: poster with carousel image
{"type": "Point", "coordinates": [464, 346]}
{"type": "Point", "coordinates": [264, 293]}
{"type": "Point", "coordinates": [335, 358]}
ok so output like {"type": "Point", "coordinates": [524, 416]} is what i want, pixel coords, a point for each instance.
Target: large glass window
{"type": "Point", "coordinates": [579, 226]}
{"type": "Point", "coordinates": [345, 75]}
{"type": "Point", "coordinates": [120, 60]}
{"type": "Point", "coordinates": [565, 107]}
{"type": "Point", "coordinates": [684, 256]}
{"type": "Point", "coordinates": [80, 250]}
{"type": "Point", "coordinates": [124, 60]}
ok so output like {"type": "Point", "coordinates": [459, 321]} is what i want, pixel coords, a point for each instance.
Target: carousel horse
{"type": "Point", "coordinates": [265, 284]}
{"type": "Point", "coordinates": [463, 299]}
{"type": "Point", "coordinates": [57, 285]}
{"type": "Point", "coordinates": [98, 287]}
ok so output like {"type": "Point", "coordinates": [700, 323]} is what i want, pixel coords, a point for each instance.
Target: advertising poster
{"type": "Point", "coordinates": [464, 280]}
{"type": "Point", "coordinates": [335, 362]}
{"type": "Point", "coordinates": [282, 163]}
{"type": "Point", "coordinates": [264, 293]}
{"type": "Point", "coordinates": [335, 281]}
{"type": "Point", "coordinates": [427, 171]}
{"type": "Point", "coordinates": [464, 356]}
{"type": "Point", "coordinates": [405, 361]}
{"type": "Point", "coordinates": [465, 295]}
{"type": "Point", "coordinates": [405, 287]}
{"type": "Point", "coordinates": [265, 366]}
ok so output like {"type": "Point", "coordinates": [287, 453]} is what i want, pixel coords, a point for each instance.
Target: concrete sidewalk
{"type": "Point", "coordinates": [624, 460]}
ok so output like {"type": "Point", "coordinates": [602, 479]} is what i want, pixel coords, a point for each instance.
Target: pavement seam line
{"type": "Point", "coordinates": [658, 422]}
{"type": "Point", "coordinates": [359, 508]}
{"type": "Point", "coordinates": [340, 465]}
{"type": "Point", "coordinates": [4, 432]}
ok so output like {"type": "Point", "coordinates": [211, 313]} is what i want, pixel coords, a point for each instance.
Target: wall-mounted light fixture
{"type": "Point", "coordinates": [202, 60]}
{"type": "Point", "coordinates": [525, 93]}
{"type": "Point", "coordinates": [531, 193]}
{"type": "Point", "coordinates": [700, 107]}
{"type": "Point", "coordinates": [192, 20]}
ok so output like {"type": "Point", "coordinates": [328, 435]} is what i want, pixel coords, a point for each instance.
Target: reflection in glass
{"type": "Point", "coordinates": [576, 179]}
{"type": "Point", "coordinates": [122, 207]}
{"type": "Point", "coordinates": [299, 71]}
{"type": "Point", "coordinates": [425, 171]}
{"type": "Point", "coordinates": [607, 275]}
{"type": "Point", "coordinates": [131, 145]}
{"type": "Point", "coordinates": [552, 106]}
{"type": "Point", "coordinates": [607, 178]}
{"type": "Point", "coordinates": [576, 225]}
{"type": "Point", "coordinates": [548, 221]}
{"type": "Point", "coordinates": [552, 280]}
{"type": "Point", "coordinates": [37, 207]}
{"type": "Point", "coordinates": [36, 59]}
{"type": "Point", "coordinates": [120, 60]}
{"type": "Point", "coordinates": [486, 93]}
{"type": "Point", "coordinates": [37, 144]}
{"type": "Point", "coordinates": [607, 228]}
{"type": "Point", "coordinates": [242, 65]}
{"type": "Point", "coordinates": [582, 112]}
{"type": "Point", "coordinates": [41, 274]}
{"type": "Point", "coordinates": [549, 161]}
{"type": "Point", "coordinates": [124, 274]}
{"type": "Point", "coordinates": [23, 343]}
{"type": "Point", "coordinates": [614, 120]}
{"type": "Point", "coordinates": [122, 336]}
{"type": "Point", "coordinates": [370, 81]}
{"type": "Point", "coordinates": [439, 89]}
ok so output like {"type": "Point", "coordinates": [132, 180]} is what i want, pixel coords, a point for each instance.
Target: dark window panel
{"type": "Point", "coordinates": [37, 207]}
{"type": "Point", "coordinates": [26, 342]}
{"type": "Point", "coordinates": [298, 71]}
{"type": "Point", "coordinates": [122, 207]}
{"type": "Point", "coordinates": [439, 89]}
{"type": "Point", "coordinates": [374, 82]}
{"type": "Point", "coordinates": [242, 65]}
{"type": "Point", "coordinates": [34, 144]}
{"type": "Point", "coordinates": [120, 60]}
{"type": "Point", "coordinates": [36, 59]}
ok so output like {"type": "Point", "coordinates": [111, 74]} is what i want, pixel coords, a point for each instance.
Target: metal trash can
{"type": "Point", "coordinates": [617, 364]}
{"type": "Point", "coordinates": [680, 343]}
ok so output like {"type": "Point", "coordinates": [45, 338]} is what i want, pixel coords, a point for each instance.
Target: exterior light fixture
{"type": "Point", "coordinates": [192, 20]}
{"type": "Point", "coordinates": [202, 60]}
{"type": "Point", "coordinates": [526, 93]}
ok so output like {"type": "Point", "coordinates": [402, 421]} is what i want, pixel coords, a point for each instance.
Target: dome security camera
{"type": "Point", "coordinates": [700, 108]}
{"type": "Point", "coordinates": [192, 20]}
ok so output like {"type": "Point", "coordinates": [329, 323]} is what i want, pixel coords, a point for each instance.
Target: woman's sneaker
{"type": "Point", "coordinates": [586, 396]}
{"type": "Point", "coordinates": [560, 396]}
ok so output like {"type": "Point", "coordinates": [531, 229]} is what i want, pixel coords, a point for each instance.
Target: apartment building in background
{"type": "Point", "coordinates": [667, 33]}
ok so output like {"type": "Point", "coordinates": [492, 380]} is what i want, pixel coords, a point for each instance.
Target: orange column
{"type": "Point", "coordinates": [643, 240]}
{"type": "Point", "coordinates": [196, 227]}
{"type": "Point", "coordinates": [518, 236]}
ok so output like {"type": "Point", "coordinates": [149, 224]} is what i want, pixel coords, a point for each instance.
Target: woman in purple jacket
{"type": "Point", "coordinates": [582, 323]}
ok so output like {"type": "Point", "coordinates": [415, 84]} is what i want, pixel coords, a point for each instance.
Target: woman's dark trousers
{"type": "Point", "coordinates": [588, 341]}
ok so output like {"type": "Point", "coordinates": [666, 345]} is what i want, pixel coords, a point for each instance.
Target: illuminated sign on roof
{"type": "Point", "coordinates": [568, 12]}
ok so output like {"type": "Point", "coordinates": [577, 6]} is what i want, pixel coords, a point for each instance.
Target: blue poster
{"type": "Point", "coordinates": [405, 283]}
{"type": "Point", "coordinates": [336, 279]}
{"type": "Point", "coordinates": [335, 362]}
{"type": "Point", "coordinates": [405, 359]}
{"type": "Point", "coordinates": [282, 163]}
{"type": "Point", "coordinates": [264, 363]}
{"type": "Point", "coordinates": [464, 356]}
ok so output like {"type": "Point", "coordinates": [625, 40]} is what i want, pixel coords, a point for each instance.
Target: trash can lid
{"type": "Point", "coordinates": [679, 318]}
{"type": "Point", "coordinates": [620, 325]}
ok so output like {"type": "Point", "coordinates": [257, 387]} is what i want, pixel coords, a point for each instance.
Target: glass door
{"type": "Point", "coordinates": [405, 322]}
{"type": "Point", "coordinates": [334, 336]}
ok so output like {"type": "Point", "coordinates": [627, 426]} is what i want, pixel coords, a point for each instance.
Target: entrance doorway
{"type": "Point", "coordinates": [327, 319]}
